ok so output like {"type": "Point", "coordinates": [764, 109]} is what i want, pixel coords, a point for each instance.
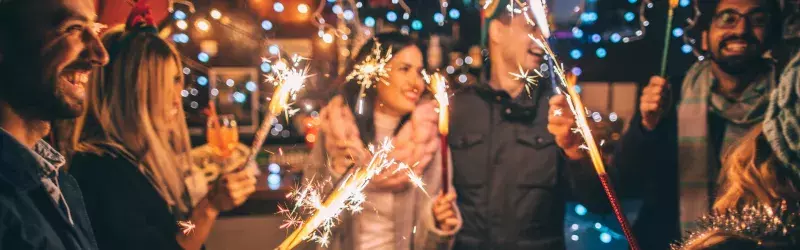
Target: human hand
{"type": "Point", "coordinates": [560, 122]}
{"type": "Point", "coordinates": [654, 101]}
{"type": "Point", "coordinates": [444, 212]}
{"type": "Point", "coordinates": [232, 189]}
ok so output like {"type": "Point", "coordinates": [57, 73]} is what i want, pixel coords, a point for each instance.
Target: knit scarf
{"type": "Point", "coordinates": [698, 161]}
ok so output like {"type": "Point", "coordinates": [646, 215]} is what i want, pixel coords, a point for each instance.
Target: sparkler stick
{"type": "Point", "coordinates": [579, 111]}
{"type": "Point", "coordinates": [348, 195]}
{"type": "Point", "coordinates": [438, 86]}
{"type": "Point", "coordinates": [288, 80]}
{"type": "Point", "coordinates": [665, 52]}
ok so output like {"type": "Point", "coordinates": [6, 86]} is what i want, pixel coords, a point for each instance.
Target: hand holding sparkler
{"type": "Point", "coordinates": [444, 212]}
{"type": "Point", "coordinates": [654, 101]}
{"type": "Point", "coordinates": [232, 189]}
{"type": "Point", "coordinates": [561, 123]}
{"type": "Point", "coordinates": [342, 140]}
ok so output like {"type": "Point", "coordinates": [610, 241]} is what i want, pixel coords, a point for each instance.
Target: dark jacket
{"type": "Point", "coordinates": [29, 218]}
{"type": "Point", "coordinates": [511, 178]}
{"type": "Point", "coordinates": [126, 210]}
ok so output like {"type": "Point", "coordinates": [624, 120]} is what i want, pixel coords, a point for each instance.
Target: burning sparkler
{"type": "Point", "coordinates": [664, 53]}
{"type": "Point", "coordinates": [347, 195]}
{"type": "Point", "coordinates": [288, 80]}
{"type": "Point", "coordinates": [438, 85]}
{"type": "Point", "coordinates": [580, 113]}
{"type": "Point", "coordinates": [524, 75]}
{"type": "Point", "coordinates": [187, 227]}
{"type": "Point", "coordinates": [372, 70]}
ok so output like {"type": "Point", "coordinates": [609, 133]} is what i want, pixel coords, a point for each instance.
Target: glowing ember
{"type": "Point", "coordinates": [523, 75]}
{"type": "Point", "coordinates": [187, 227]}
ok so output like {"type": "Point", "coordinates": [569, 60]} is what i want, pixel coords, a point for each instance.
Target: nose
{"type": "Point", "coordinates": [742, 26]}
{"type": "Point", "coordinates": [94, 52]}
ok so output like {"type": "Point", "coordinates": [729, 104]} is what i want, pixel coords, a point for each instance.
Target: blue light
{"type": "Point", "coordinates": [577, 71]}
{"type": "Point", "coordinates": [203, 81]}
{"type": "Point", "coordinates": [203, 57]}
{"type": "Point", "coordinates": [589, 17]}
{"type": "Point", "coordinates": [438, 17]}
{"type": "Point", "coordinates": [348, 14]}
{"type": "Point", "coordinates": [629, 16]}
{"type": "Point", "coordinates": [274, 179]}
{"type": "Point", "coordinates": [273, 49]}
{"type": "Point", "coordinates": [677, 32]}
{"type": "Point", "coordinates": [266, 67]}
{"type": "Point", "coordinates": [598, 225]}
{"type": "Point", "coordinates": [578, 90]}
{"type": "Point", "coordinates": [686, 48]}
{"type": "Point", "coordinates": [180, 38]}
{"type": "Point", "coordinates": [575, 54]}
{"type": "Point", "coordinates": [684, 3]}
{"type": "Point", "coordinates": [615, 38]}
{"type": "Point", "coordinates": [391, 16]}
{"type": "Point", "coordinates": [251, 86]}
{"type": "Point", "coordinates": [278, 7]}
{"type": "Point", "coordinates": [337, 9]}
{"type": "Point", "coordinates": [577, 33]}
{"type": "Point", "coordinates": [369, 21]}
{"type": "Point", "coordinates": [274, 168]}
{"type": "Point", "coordinates": [596, 38]}
{"type": "Point", "coordinates": [239, 97]}
{"type": "Point", "coordinates": [601, 52]}
{"type": "Point", "coordinates": [580, 209]}
{"type": "Point", "coordinates": [416, 25]}
{"type": "Point", "coordinates": [605, 237]}
{"type": "Point", "coordinates": [331, 1]}
{"type": "Point", "coordinates": [266, 25]}
{"type": "Point", "coordinates": [454, 14]}
{"type": "Point", "coordinates": [632, 1]}
{"type": "Point", "coordinates": [179, 15]}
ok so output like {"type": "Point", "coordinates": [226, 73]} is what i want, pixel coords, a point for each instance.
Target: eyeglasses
{"type": "Point", "coordinates": [729, 18]}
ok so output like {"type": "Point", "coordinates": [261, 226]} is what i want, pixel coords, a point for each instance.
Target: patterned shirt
{"type": "Point", "coordinates": [50, 161]}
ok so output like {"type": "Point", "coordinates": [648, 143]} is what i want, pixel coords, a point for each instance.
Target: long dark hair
{"type": "Point", "coordinates": [350, 90]}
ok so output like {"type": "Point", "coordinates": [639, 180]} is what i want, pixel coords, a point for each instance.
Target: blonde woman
{"type": "Point", "coordinates": [396, 215]}
{"type": "Point", "coordinates": [132, 153]}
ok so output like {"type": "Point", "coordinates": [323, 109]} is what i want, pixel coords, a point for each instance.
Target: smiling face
{"type": "Point", "coordinates": [509, 37]}
{"type": "Point", "coordinates": [48, 50]}
{"type": "Point", "coordinates": [405, 86]}
{"type": "Point", "coordinates": [738, 34]}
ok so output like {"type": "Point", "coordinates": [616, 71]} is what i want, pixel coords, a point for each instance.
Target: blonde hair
{"type": "Point", "coordinates": [751, 173]}
{"type": "Point", "coordinates": [128, 112]}
{"type": "Point", "coordinates": [717, 239]}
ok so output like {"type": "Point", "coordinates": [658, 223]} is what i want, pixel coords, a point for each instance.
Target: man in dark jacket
{"type": "Point", "coordinates": [671, 155]}
{"type": "Point", "coordinates": [47, 50]}
{"type": "Point", "coordinates": [512, 180]}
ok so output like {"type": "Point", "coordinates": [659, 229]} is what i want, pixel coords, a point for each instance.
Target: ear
{"type": "Point", "coordinates": [497, 31]}
{"type": "Point", "coordinates": [704, 40]}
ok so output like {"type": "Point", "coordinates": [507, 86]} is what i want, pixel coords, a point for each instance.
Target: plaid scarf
{"type": "Point", "coordinates": [698, 165]}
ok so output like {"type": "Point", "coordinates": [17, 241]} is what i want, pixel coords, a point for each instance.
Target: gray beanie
{"type": "Point", "coordinates": [781, 126]}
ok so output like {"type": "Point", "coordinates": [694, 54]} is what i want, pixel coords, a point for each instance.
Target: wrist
{"type": "Point", "coordinates": [574, 153]}
{"type": "Point", "coordinates": [207, 208]}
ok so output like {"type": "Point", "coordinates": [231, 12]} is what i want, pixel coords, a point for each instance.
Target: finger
{"type": "Point", "coordinates": [558, 100]}
{"type": "Point", "coordinates": [657, 81]}
{"type": "Point", "coordinates": [444, 215]}
{"type": "Point", "coordinates": [653, 90]}
{"type": "Point", "coordinates": [648, 107]}
{"type": "Point", "coordinates": [243, 192]}
{"type": "Point", "coordinates": [651, 98]}
{"type": "Point", "coordinates": [450, 197]}
{"type": "Point", "coordinates": [561, 120]}
{"type": "Point", "coordinates": [452, 222]}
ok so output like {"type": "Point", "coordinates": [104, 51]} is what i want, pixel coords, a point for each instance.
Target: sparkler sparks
{"type": "Point", "coordinates": [187, 227]}
{"type": "Point", "coordinates": [372, 70]}
{"type": "Point", "coordinates": [438, 86]}
{"type": "Point", "coordinates": [323, 212]}
{"type": "Point", "coordinates": [530, 80]}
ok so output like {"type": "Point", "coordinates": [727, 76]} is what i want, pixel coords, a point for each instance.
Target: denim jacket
{"type": "Point", "coordinates": [29, 217]}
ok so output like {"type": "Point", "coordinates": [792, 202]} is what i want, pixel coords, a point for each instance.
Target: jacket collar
{"type": "Point", "coordinates": [23, 167]}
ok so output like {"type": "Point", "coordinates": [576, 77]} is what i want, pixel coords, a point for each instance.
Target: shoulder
{"type": "Point", "coordinates": [87, 164]}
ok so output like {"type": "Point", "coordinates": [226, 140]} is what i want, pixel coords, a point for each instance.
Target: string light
{"type": "Point", "coordinates": [391, 16]}
{"type": "Point", "coordinates": [302, 8]}
{"type": "Point", "coordinates": [216, 14]}
{"type": "Point", "coordinates": [181, 24]}
{"type": "Point", "coordinates": [278, 7]}
{"type": "Point", "coordinates": [202, 25]}
{"type": "Point", "coordinates": [179, 15]}
{"type": "Point", "coordinates": [454, 14]}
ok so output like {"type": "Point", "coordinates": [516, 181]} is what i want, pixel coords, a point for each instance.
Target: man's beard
{"type": "Point", "coordinates": [738, 64]}
{"type": "Point", "coordinates": [34, 96]}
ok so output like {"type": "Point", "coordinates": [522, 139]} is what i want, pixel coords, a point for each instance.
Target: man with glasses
{"type": "Point", "coordinates": [672, 153]}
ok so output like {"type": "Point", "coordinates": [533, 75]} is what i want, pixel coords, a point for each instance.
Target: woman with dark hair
{"type": "Point", "coordinates": [396, 214]}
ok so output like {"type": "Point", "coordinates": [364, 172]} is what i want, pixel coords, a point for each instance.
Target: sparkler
{"type": "Point", "coordinates": [438, 85]}
{"type": "Point", "coordinates": [524, 75]}
{"type": "Point", "coordinates": [288, 80]}
{"type": "Point", "coordinates": [347, 195]}
{"type": "Point", "coordinates": [187, 227]}
{"type": "Point", "coordinates": [371, 71]}
{"type": "Point", "coordinates": [664, 53]}
{"type": "Point", "coordinates": [580, 113]}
